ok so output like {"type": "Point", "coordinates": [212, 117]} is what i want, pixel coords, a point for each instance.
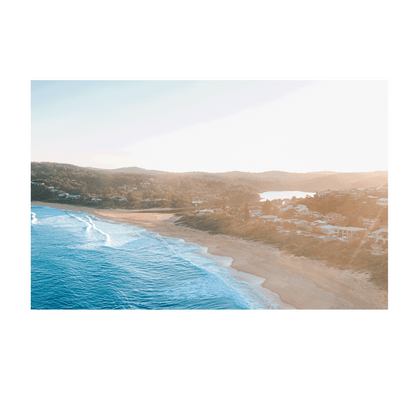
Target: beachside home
{"type": "Point", "coordinates": [335, 218]}
{"type": "Point", "coordinates": [301, 223]}
{"type": "Point", "coordinates": [314, 214]}
{"type": "Point", "coordinates": [350, 232]}
{"type": "Point", "coordinates": [285, 207]}
{"type": "Point", "coordinates": [380, 236]}
{"type": "Point", "coordinates": [347, 233]}
{"type": "Point", "coordinates": [370, 222]}
{"type": "Point", "coordinates": [205, 211]}
{"type": "Point", "coordinates": [382, 202]}
{"type": "Point", "coordinates": [316, 225]}
{"type": "Point", "coordinates": [344, 192]}
{"type": "Point", "coordinates": [268, 218]}
{"type": "Point", "coordinates": [329, 230]}
{"type": "Point", "coordinates": [377, 250]}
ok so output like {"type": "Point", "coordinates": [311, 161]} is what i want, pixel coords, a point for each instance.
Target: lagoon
{"type": "Point", "coordinates": [284, 195]}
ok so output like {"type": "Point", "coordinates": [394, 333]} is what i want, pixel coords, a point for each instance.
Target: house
{"type": "Point", "coordinates": [285, 207]}
{"type": "Point", "coordinates": [377, 250]}
{"type": "Point", "coordinates": [370, 223]}
{"type": "Point", "coordinates": [380, 236]}
{"type": "Point", "coordinates": [269, 218]}
{"type": "Point", "coordinates": [204, 211]}
{"type": "Point", "coordinates": [351, 232]}
{"type": "Point", "coordinates": [314, 214]}
{"type": "Point", "coordinates": [343, 232]}
{"type": "Point", "coordinates": [73, 196]}
{"type": "Point", "coordinates": [301, 223]}
{"type": "Point", "coordinates": [345, 192]}
{"type": "Point", "coordinates": [382, 202]}
{"type": "Point", "coordinates": [329, 230]}
{"type": "Point", "coordinates": [335, 218]}
{"type": "Point", "coordinates": [300, 210]}
{"type": "Point", "coordinates": [316, 225]}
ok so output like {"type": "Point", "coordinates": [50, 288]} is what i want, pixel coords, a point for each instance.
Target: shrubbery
{"type": "Point", "coordinates": [352, 254]}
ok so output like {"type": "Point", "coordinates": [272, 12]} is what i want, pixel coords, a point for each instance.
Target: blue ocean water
{"type": "Point", "coordinates": [81, 262]}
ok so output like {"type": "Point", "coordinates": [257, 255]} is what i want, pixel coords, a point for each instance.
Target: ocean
{"type": "Point", "coordinates": [81, 262]}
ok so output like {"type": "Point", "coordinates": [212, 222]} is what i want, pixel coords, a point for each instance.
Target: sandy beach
{"type": "Point", "coordinates": [300, 282]}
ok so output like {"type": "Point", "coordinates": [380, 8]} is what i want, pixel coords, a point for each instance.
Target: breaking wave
{"type": "Point", "coordinates": [81, 262]}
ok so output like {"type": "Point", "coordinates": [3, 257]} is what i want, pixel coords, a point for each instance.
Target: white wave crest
{"type": "Point", "coordinates": [34, 219]}
{"type": "Point", "coordinates": [90, 225]}
{"type": "Point", "coordinates": [107, 236]}
{"type": "Point", "coordinates": [87, 223]}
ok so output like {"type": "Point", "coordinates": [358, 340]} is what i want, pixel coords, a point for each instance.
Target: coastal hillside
{"type": "Point", "coordinates": [137, 188]}
{"type": "Point", "coordinates": [279, 180]}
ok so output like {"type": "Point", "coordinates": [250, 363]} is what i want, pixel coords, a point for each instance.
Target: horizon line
{"type": "Point", "coordinates": [195, 171]}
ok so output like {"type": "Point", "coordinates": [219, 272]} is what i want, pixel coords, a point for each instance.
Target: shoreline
{"type": "Point", "coordinates": [299, 282]}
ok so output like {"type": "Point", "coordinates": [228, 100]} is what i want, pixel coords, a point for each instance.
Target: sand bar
{"type": "Point", "coordinates": [299, 282]}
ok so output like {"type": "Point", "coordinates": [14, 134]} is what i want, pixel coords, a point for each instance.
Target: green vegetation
{"type": "Point", "coordinates": [109, 189]}
{"type": "Point", "coordinates": [354, 209]}
{"type": "Point", "coordinates": [344, 255]}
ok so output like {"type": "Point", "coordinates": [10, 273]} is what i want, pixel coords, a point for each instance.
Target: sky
{"type": "Point", "coordinates": [212, 126]}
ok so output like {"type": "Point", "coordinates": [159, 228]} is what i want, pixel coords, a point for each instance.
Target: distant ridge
{"type": "Point", "coordinates": [135, 169]}
{"type": "Point", "coordinates": [271, 180]}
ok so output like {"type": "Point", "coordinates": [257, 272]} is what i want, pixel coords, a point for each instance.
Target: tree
{"type": "Point", "coordinates": [267, 207]}
{"type": "Point", "coordinates": [246, 212]}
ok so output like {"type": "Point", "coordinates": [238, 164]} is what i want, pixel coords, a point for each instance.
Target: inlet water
{"type": "Point", "coordinates": [284, 195]}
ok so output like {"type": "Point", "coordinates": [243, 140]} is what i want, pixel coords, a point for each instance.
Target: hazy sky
{"type": "Point", "coordinates": [213, 126]}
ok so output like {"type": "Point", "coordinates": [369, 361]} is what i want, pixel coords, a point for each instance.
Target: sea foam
{"type": "Point", "coordinates": [81, 262]}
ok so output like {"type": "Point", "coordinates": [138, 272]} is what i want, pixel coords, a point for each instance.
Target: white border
{"type": "Point", "coordinates": [25, 316]}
